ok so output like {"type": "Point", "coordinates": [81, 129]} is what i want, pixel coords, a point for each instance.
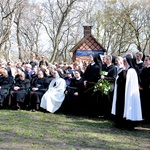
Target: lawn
{"type": "Point", "coordinates": [25, 130]}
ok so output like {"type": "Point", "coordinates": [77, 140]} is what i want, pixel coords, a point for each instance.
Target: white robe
{"type": "Point", "coordinates": [54, 96]}
{"type": "Point", "coordinates": [132, 107]}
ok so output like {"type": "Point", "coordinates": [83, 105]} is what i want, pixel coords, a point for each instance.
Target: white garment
{"type": "Point", "coordinates": [54, 96]}
{"type": "Point", "coordinates": [132, 107]}
{"type": "Point", "coordinates": [13, 72]}
{"type": "Point", "coordinates": [113, 110]}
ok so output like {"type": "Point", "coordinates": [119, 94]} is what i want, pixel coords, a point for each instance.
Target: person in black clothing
{"type": "Point", "coordinates": [43, 62]}
{"type": "Point", "coordinates": [145, 89]}
{"type": "Point", "coordinates": [138, 59]}
{"type": "Point", "coordinates": [6, 83]}
{"type": "Point", "coordinates": [69, 76]}
{"type": "Point", "coordinates": [92, 72]}
{"type": "Point", "coordinates": [110, 70]}
{"type": "Point", "coordinates": [104, 65]}
{"type": "Point", "coordinates": [90, 78]}
{"type": "Point", "coordinates": [34, 74]}
{"type": "Point", "coordinates": [20, 90]}
{"type": "Point", "coordinates": [110, 75]}
{"type": "Point", "coordinates": [38, 88]}
{"type": "Point", "coordinates": [126, 106]}
{"type": "Point", "coordinates": [19, 72]}
{"type": "Point", "coordinates": [33, 62]}
{"type": "Point", "coordinates": [73, 103]}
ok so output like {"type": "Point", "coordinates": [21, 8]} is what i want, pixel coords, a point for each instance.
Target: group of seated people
{"type": "Point", "coordinates": [70, 88]}
{"type": "Point", "coordinates": [34, 89]}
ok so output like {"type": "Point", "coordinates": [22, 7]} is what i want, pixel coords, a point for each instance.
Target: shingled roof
{"type": "Point", "coordinates": [88, 42]}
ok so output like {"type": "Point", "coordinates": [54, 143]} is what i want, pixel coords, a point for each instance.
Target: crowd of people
{"type": "Point", "coordinates": [69, 87]}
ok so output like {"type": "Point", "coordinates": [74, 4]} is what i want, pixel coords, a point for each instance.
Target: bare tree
{"type": "Point", "coordinates": [7, 16]}
{"type": "Point", "coordinates": [119, 26]}
{"type": "Point", "coordinates": [28, 27]}
{"type": "Point", "coordinates": [123, 25]}
{"type": "Point", "coordinates": [56, 23]}
{"type": "Point", "coordinates": [138, 18]}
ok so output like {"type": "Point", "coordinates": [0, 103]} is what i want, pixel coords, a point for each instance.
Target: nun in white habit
{"type": "Point", "coordinates": [54, 96]}
{"type": "Point", "coordinates": [126, 104]}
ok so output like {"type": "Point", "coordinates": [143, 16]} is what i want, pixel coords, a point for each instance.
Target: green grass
{"type": "Point", "coordinates": [26, 130]}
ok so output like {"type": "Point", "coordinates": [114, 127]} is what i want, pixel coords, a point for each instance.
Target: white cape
{"type": "Point", "coordinates": [54, 96]}
{"type": "Point", "coordinates": [132, 107]}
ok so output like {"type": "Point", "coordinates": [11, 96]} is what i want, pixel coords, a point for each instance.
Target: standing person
{"type": "Point", "coordinates": [119, 63]}
{"type": "Point", "coordinates": [110, 75]}
{"type": "Point", "coordinates": [126, 99]}
{"type": "Point", "coordinates": [11, 68]}
{"type": "Point", "coordinates": [145, 89]}
{"type": "Point", "coordinates": [104, 62]}
{"type": "Point", "coordinates": [43, 62]}
{"type": "Point", "coordinates": [92, 72]}
{"type": "Point", "coordinates": [111, 71]}
{"type": "Point", "coordinates": [33, 62]}
{"type": "Point", "coordinates": [85, 64]}
{"type": "Point", "coordinates": [139, 61]}
{"type": "Point", "coordinates": [90, 77]}
{"type": "Point", "coordinates": [54, 96]}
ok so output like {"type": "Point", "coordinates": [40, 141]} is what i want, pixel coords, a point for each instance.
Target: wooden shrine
{"type": "Point", "coordinates": [86, 46]}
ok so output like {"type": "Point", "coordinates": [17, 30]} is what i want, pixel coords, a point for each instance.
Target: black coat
{"type": "Point", "coordinates": [145, 93]}
{"type": "Point", "coordinates": [42, 85]}
{"type": "Point", "coordinates": [20, 95]}
{"type": "Point", "coordinates": [112, 73]}
{"type": "Point", "coordinates": [145, 78]}
{"type": "Point", "coordinates": [33, 77]}
{"type": "Point", "coordinates": [5, 83]}
{"type": "Point", "coordinates": [121, 81]}
{"type": "Point", "coordinates": [73, 104]}
{"type": "Point", "coordinates": [92, 73]}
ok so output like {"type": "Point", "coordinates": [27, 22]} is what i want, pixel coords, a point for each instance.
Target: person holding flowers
{"type": "Point", "coordinates": [108, 76]}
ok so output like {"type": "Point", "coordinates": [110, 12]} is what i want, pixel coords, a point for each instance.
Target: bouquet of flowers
{"type": "Point", "coordinates": [102, 85]}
